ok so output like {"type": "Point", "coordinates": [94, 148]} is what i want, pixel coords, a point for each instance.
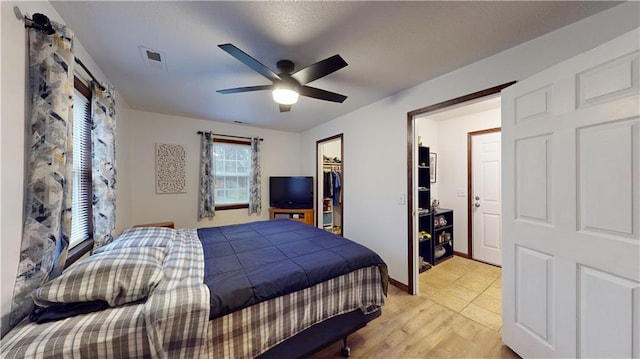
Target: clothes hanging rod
{"type": "Point", "coordinates": [42, 23]}
{"type": "Point", "coordinates": [219, 134]}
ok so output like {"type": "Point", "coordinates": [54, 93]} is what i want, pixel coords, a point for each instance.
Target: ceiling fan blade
{"type": "Point", "coordinates": [284, 108]}
{"type": "Point", "coordinates": [319, 69]}
{"type": "Point", "coordinates": [245, 89]}
{"type": "Point", "coordinates": [250, 61]}
{"type": "Point", "coordinates": [321, 94]}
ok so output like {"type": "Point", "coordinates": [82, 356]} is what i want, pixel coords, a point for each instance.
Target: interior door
{"type": "Point", "coordinates": [486, 169]}
{"type": "Point", "coordinates": [571, 164]}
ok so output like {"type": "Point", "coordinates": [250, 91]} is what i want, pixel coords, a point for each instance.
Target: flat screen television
{"type": "Point", "coordinates": [294, 192]}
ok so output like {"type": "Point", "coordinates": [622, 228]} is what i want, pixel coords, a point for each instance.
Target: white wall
{"type": "Point", "coordinates": [375, 136]}
{"type": "Point", "coordinates": [12, 166]}
{"type": "Point", "coordinates": [279, 157]}
{"type": "Point", "coordinates": [452, 167]}
{"type": "Point", "coordinates": [13, 111]}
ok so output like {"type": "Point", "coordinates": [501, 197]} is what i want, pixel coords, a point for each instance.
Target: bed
{"type": "Point", "coordinates": [267, 289]}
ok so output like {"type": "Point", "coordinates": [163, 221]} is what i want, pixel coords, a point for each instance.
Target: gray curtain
{"type": "Point", "coordinates": [206, 202]}
{"type": "Point", "coordinates": [103, 154]}
{"type": "Point", "coordinates": [49, 177]}
{"type": "Point", "coordinates": [255, 195]}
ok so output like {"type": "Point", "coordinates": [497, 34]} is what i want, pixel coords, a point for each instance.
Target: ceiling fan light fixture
{"type": "Point", "coordinates": [287, 85]}
{"type": "Point", "coordinates": [285, 96]}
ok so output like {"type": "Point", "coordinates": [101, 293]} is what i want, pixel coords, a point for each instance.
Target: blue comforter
{"type": "Point", "coordinates": [253, 262]}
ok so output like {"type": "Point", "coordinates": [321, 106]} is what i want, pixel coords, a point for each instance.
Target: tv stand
{"type": "Point", "coordinates": [300, 215]}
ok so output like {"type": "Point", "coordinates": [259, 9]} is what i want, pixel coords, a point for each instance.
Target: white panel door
{"type": "Point", "coordinates": [486, 169]}
{"type": "Point", "coordinates": [571, 189]}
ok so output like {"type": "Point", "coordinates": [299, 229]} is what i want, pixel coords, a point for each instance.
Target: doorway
{"type": "Point", "coordinates": [467, 286]}
{"type": "Point", "coordinates": [330, 184]}
{"type": "Point", "coordinates": [449, 193]}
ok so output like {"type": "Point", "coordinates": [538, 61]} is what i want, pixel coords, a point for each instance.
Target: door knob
{"type": "Point", "coordinates": [477, 204]}
{"type": "Point", "coordinates": [477, 198]}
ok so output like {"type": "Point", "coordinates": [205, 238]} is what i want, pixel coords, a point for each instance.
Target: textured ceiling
{"type": "Point", "coordinates": [389, 46]}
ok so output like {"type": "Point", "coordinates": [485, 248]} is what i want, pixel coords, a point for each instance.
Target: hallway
{"type": "Point", "coordinates": [470, 288]}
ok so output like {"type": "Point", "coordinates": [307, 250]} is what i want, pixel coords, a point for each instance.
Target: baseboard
{"type": "Point", "coordinates": [460, 254]}
{"type": "Point", "coordinates": [399, 285]}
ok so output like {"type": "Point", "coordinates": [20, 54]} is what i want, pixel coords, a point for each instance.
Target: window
{"type": "Point", "coordinates": [81, 220]}
{"type": "Point", "coordinates": [231, 172]}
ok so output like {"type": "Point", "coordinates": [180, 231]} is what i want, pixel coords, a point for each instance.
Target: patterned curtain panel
{"type": "Point", "coordinates": [255, 196]}
{"type": "Point", "coordinates": [206, 202]}
{"type": "Point", "coordinates": [103, 153]}
{"type": "Point", "coordinates": [49, 178]}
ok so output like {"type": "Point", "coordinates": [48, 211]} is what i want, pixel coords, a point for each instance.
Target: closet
{"type": "Point", "coordinates": [330, 184]}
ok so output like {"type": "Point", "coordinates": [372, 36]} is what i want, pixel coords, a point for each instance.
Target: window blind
{"type": "Point", "coordinates": [82, 186]}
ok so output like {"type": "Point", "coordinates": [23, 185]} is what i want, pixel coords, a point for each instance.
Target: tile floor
{"type": "Point", "coordinates": [470, 288]}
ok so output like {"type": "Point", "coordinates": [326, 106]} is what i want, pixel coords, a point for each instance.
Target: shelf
{"type": "Point", "coordinates": [423, 209]}
{"type": "Point", "coordinates": [448, 226]}
{"type": "Point", "coordinates": [442, 244]}
{"type": "Point", "coordinates": [424, 268]}
{"type": "Point", "coordinates": [300, 215]}
{"type": "Point", "coordinates": [448, 247]}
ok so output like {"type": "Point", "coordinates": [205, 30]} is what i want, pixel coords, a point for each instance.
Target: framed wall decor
{"type": "Point", "coordinates": [433, 161]}
{"type": "Point", "coordinates": [170, 168]}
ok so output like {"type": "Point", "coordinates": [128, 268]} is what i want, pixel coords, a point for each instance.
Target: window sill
{"type": "Point", "coordinates": [232, 206]}
{"type": "Point", "coordinates": [78, 251]}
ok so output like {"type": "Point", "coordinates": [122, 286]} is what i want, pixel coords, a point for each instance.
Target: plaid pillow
{"type": "Point", "coordinates": [141, 237]}
{"type": "Point", "coordinates": [117, 277]}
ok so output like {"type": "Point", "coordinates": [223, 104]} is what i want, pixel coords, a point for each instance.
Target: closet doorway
{"type": "Point", "coordinates": [330, 184]}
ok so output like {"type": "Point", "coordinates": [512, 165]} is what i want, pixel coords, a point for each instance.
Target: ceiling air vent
{"type": "Point", "coordinates": [153, 58]}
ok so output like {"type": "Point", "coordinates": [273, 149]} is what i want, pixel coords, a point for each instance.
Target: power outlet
{"type": "Point", "coordinates": [460, 193]}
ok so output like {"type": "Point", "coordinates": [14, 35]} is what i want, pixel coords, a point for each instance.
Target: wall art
{"type": "Point", "coordinates": [170, 168]}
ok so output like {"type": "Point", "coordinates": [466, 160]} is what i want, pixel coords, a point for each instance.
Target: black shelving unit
{"type": "Point", "coordinates": [442, 235]}
{"type": "Point", "coordinates": [425, 238]}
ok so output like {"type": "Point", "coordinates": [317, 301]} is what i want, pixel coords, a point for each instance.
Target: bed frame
{"type": "Point", "coordinates": [322, 335]}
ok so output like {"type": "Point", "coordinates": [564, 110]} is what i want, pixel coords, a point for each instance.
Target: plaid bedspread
{"type": "Point", "coordinates": [177, 313]}
{"type": "Point", "coordinates": [250, 332]}
{"type": "Point", "coordinates": [172, 323]}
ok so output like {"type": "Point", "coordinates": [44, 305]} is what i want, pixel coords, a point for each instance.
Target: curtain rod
{"type": "Point", "coordinates": [89, 73]}
{"type": "Point", "coordinates": [219, 134]}
{"type": "Point", "coordinates": [41, 22]}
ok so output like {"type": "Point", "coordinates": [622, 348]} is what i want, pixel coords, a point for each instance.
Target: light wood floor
{"type": "Point", "coordinates": [420, 327]}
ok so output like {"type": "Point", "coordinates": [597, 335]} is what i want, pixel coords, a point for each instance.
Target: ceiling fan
{"type": "Point", "coordinates": [287, 85]}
